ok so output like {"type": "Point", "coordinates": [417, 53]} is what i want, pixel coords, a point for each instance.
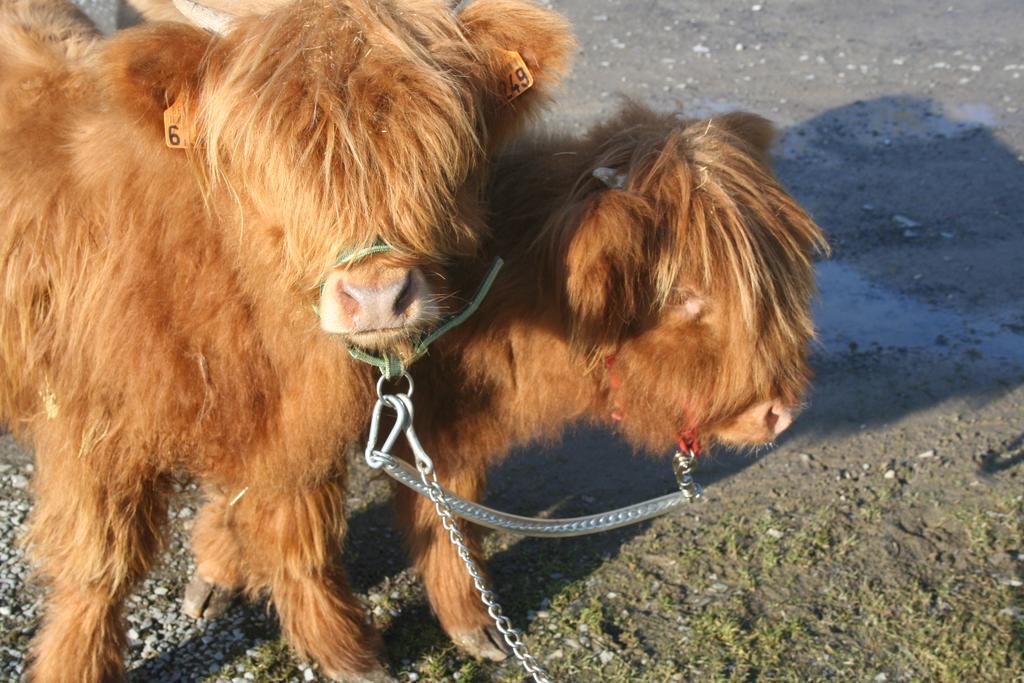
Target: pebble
{"type": "Point", "coordinates": [926, 454]}
{"type": "Point", "coordinates": [890, 474]}
{"type": "Point", "coordinates": [1012, 612]}
{"type": "Point", "coordinates": [775, 533]}
{"type": "Point", "coordinates": [606, 657]}
{"type": "Point", "coordinates": [19, 481]}
{"type": "Point", "coordinates": [701, 49]}
{"type": "Point", "coordinates": [308, 675]}
{"type": "Point", "coordinates": [905, 222]}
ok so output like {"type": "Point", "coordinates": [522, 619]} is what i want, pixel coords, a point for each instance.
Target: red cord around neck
{"type": "Point", "coordinates": [688, 440]}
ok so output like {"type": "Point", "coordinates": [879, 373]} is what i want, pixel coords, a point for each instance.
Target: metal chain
{"type": "Point", "coordinates": [513, 636]}
{"type": "Point", "coordinates": [448, 505]}
{"type": "Point", "coordinates": [402, 405]}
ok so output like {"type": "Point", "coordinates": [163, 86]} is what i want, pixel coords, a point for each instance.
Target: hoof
{"type": "Point", "coordinates": [204, 600]}
{"type": "Point", "coordinates": [378, 675]}
{"type": "Point", "coordinates": [485, 643]}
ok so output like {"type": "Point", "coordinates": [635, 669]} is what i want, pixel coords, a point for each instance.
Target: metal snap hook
{"type": "Point", "coordinates": [683, 464]}
{"type": "Point", "coordinates": [403, 419]}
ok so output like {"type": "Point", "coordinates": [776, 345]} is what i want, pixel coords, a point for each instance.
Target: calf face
{"type": "Point", "coordinates": [689, 273]}
{"type": "Point", "coordinates": [324, 128]}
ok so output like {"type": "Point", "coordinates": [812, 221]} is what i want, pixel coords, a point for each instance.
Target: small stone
{"type": "Point", "coordinates": [719, 587]}
{"type": "Point", "coordinates": [926, 454]}
{"type": "Point", "coordinates": [775, 533]}
{"type": "Point", "coordinates": [890, 474]}
{"type": "Point", "coordinates": [755, 8]}
{"type": "Point", "coordinates": [904, 221]}
{"type": "Point", "coordinates": [1013, 583]}
{"type": "Point", "coordinates": [606, 657]}
{"type": "Point", "coordinates": [308, 675]}
{"type": "Point", "coordinates": [555, 654]}
{"type": "Point", "coordinates": [185, 513]}
{"type": "Point", "coordinates": [1012, 612]}
{"type": "Point", "coordinates": [133, 634]}
{"type": "Point", "coordinates": [806, 458]}
{"type": "Point", "coordinates": [413, 676]}
{"type": "Point", "coordinates": [573, 643]}
{"type": "Point", "coordinates": [19, 481]}
{"type": "Point", "coordinates": [701, 49]}
{"type": "Point", "coordinates": [160, 590]}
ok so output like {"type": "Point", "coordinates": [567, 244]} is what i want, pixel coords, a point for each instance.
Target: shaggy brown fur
{"type": "Point", "coordinates": [696, 277]}
{"type": "Point", "coordinates": [156, 314]}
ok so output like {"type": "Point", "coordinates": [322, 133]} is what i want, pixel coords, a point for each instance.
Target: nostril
{"type": "Point", "coordinates": [405, 295]}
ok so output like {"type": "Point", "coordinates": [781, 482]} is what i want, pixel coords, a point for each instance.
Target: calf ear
{"type": "Point", "coordinates": [608, 287]}
{"type": "Point", "coordinates": [147, 68]}
{"type": "Point", "coordinates": [756, 133]}
{"type": "Point", "coordinates": [544, 40]}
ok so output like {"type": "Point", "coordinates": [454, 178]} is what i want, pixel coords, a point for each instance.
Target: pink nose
{"type": "Point", "coordinates": [779, 418]}
{"type": "Point", "coordinates": [348, 305]}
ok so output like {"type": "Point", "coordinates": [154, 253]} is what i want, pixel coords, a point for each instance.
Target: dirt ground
{"type": "Point", "coordinates": [883, 538]}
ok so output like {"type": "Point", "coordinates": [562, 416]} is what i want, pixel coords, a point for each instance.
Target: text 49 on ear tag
{"type": "Point", "coordinates": [518, 78]}
{"type": "Point", "coordinates": [176, 132]}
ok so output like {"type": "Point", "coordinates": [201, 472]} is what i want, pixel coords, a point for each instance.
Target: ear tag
{"type": "Point", "coordinates": [177, 134]}
{"type": "Point", "coordinates": [518, 78]}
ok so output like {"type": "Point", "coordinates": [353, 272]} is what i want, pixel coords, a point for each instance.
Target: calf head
{"type": "Point", "coordinates": [688, 271]}
{"type": "Point", "coordinates": [325, 128]}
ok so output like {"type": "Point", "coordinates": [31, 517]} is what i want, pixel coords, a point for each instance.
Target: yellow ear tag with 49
{"type": "Point", "coordinates": [518, 78]}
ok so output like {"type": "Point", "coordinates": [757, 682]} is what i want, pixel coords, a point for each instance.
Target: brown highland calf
{"type": "Point", "coordinates": [156, 318]}
{"type": "Point", "coordinates": [675, 302]}
{"type": "Point", "coordinates": [657, 279]}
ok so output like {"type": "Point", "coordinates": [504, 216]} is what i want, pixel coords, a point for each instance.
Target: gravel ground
{"type": "Point", "coordinates": [883, 539]}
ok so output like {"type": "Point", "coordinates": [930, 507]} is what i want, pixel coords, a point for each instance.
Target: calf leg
{"type": "Point", "coordinates": [450, 589]}
{"type": "Point", "coordinates": [93, 533]}
{"type": "Point", "coordinates": [219, 572]}
{"type": "Point", "coordinates": [292, 545]}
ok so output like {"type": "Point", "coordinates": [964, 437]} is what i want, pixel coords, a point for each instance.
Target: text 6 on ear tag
{"type": "Point", "coordinates": [177, 134]}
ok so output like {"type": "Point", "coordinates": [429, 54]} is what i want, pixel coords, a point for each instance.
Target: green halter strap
{"type": "Point", "coordinates": [349, 255]}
